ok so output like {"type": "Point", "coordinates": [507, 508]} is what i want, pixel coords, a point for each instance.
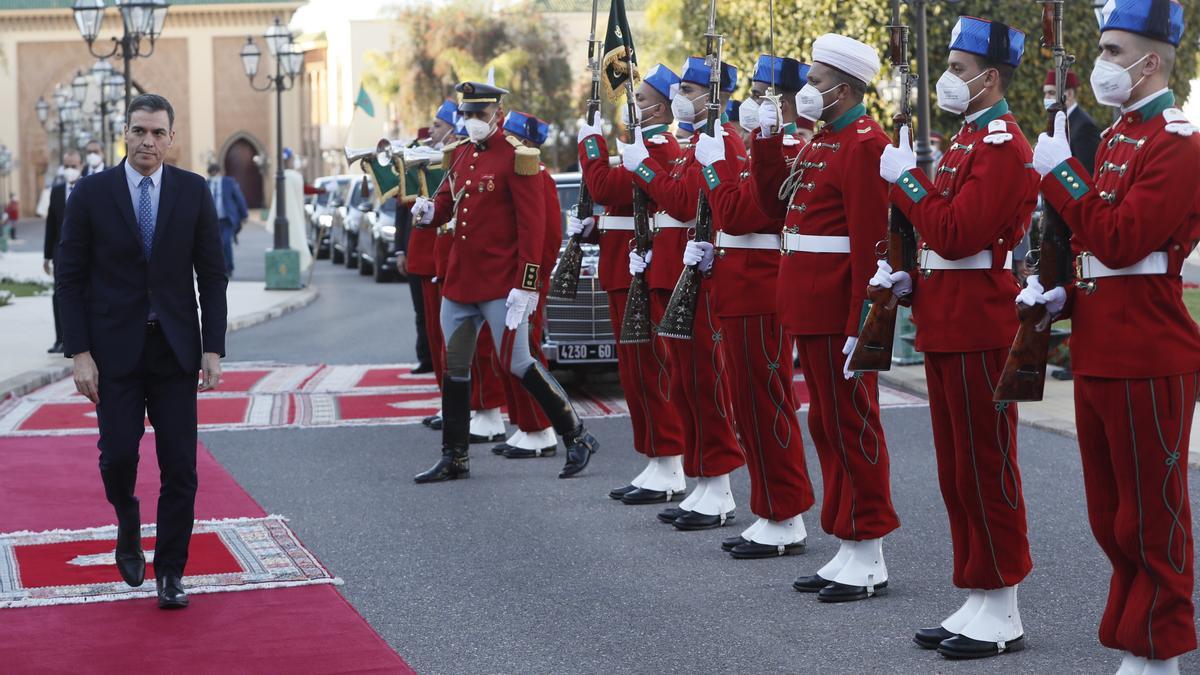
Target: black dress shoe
{"type": "Point", "coordinates": [930, 638]}
{"type": "Point", "coordinates": [963, 647]}
{"type": "Point", "coordinates": [753, 550]}
{"type": "Point", "coordinates": [836, 592]}
{"type": "Point", "coordinates": [130, 559]}
{"type": "Point", "coordinates": [617, 493]}
{"type": "Point", "coordinates": [669, 515]}
{"type": "Point", "coordinates": [728, 544]}
{"type": "Point", "coordinates": [433, 422]}
{"type": "Point", "coordinates": [170, 592]}
{"type": "Point", "coordinates": [579, 452]}
{"type": "Point", "coordinates": [644, 496]}
{"type": "Point", "coordinates": [56, 348]}
{"type": "Point", "coordinates": [530, 453]}
{"type": "Point", "coordinates": [501, 448]}
{"type": "Point", "coordinates": [693, 521]}
{"type": "Point", "coordinates": [422, 369]}
{"type": "Point", "coordinates": [477, 439]}
{"type": "Point", "coordinates": [812, 583]}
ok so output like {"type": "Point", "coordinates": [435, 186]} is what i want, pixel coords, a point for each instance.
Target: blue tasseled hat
{"type": "Point", "coordinates": [994, 41]}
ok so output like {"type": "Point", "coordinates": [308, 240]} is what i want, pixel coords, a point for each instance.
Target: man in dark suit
{"type": "Point", "coordinates": [231, 211]}
{"type": "Point", "coordinates": [93, 158]}
{"type": "Point", "coordinates": [1085, 135]}
{"type": "Point", "coordinates": [133, 237]}
{"type": "Point", "coordinates": [71, 163]}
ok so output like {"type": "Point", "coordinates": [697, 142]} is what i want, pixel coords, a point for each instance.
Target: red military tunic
{"type": "Point", "coordinates": [643, 368]}
{"type": "Point", "coordinates": [1136, 352]}
{"type": "Point", "coordinates": [838, 193]}
{"type": "Point", "coordinates": [422, 268]}
{"type": "Point", "coordinates": [981, 200]}
{"type": "Point", "coordinates": [758, 356]}
{"type": "Point", "coordinates": [710, 445]}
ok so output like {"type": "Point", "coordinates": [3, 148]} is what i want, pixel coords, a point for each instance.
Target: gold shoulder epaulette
{"type": "Point", "coordinates": [528, 161]}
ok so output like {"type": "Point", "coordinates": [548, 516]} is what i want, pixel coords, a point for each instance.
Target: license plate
{"type": "Point", "coordinates": [603, 351]}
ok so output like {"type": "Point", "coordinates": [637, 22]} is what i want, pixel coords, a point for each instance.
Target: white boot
{"type": "Point", "coordinates": [956, 621]}
{"type": "Point", "coordinates": [1168, 667]}
{"type": "Point", "coordinates": [835, 565]}
{"type": "Point", "coordinates": [1133, 665]}
{"type": "Point", "coordinates": [640, 479]}
{"type": "Point", "coordinates": [689, 502]}
{"type": "Point", "coordinates": [539, 440]}
{"type": "Point", "coordinates": [780, 532]}
{"type": "Point", "coordinates": [866, 567]}
{"type": "Point", "coordinates": [514, 440]}
{"type": "Point", "coordinates": [717, 499]}
{"type": "Point", "coordinates": [667, 476]}
{"type": "Point", "coordinates": [488, 424]}
{"type": "Point", "coordinates": [748, 533]}
{"type": "Point", "coordinates": [998, 619]}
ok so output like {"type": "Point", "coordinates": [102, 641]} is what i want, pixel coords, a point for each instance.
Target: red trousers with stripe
{"type": "Point", "coordinates": [431, 295]}
{"type": "Point", "coordinates": [1133, 439]}
{"type": "Point", "coordinates": [487, 375]}
{"type": "Point", "coordinates": [976, 448]}
{"type": "Point", "coordinates": [759, 362]}
{"type": "Point", "coordinates": [523, 411]}
{"type": "Point", "coordinates": [710, 447]}
{"type": "Point", "coordinates": [645, 373]}
{"type": "Point", "coordinates": [843, 418]}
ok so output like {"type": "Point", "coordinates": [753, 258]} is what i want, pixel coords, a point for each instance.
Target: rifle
{"type": "Point", "coordinates": [636, 327]}
{"type": "Point", "coordinates": [564, 283]}
{"type": "Point", "coordinates": [1024, 376]}
{"type": "Point", "coordinates": [680, 315]}
{"type": "Point", "coordinates": [874, 349]}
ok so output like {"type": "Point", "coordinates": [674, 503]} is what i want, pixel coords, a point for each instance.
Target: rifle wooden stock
{"type": "Point", "coordinates": [636, 327]}
{"type": "Point", "coordinates": [873, 352]}
{"type": "Point", "coordinates": [1024, 375]}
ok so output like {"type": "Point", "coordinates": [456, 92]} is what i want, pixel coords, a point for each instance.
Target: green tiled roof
{"type": "Point", "coordinates": [66, 4]}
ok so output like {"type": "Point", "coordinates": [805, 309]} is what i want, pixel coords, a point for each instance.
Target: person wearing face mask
{"type": "Point", "coordinates": [1085, 135]}
{"type": "Point", "coordinates": [745, 265]}
{"type": "Point", "coordinates": [93, 157]}
{"type": "Point", "coordinates": [495, 195]}
{"type": "Point", "coordinates": [1135, 350]}
{"type": "Point", "coordinates": [834, 208]}
{"type": "Point", "coordinates": [644, 369]}
{"type": "Point", "coordinates": [969, 216]}
{"type": "Point", "coordinates": [54, 218]}
{"type": "Point", "coordinates": [711, 451]}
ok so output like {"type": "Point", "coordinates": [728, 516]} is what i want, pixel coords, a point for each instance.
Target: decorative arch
{"type": "Point", "coordinates": [237, 161]}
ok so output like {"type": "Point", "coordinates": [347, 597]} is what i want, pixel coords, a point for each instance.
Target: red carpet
{"type": "Point", "coordinates": [53, 483]}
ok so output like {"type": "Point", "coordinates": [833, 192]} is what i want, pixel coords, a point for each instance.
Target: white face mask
{"type": "Point", "coordinates": [94, 159]}
{"type": "Point", "coordinates": [478, 130]}
{"type": "Point", "coordinates": [953, 94]}
{"type": "Point", "coordinates": [1112, 84]}
{"type": "Point", "coordinates": [810, 102]}
{"type": "Point", "coordinates": [641, 112]}
{"type": "Point", "coordinates": [748, 115]}
{"type": "Point", "coordinates": [1049, 102]}
{"type": "Point", "coordinates": [684, 108]}
{"type": "Point", "coordinates": [71, 174]}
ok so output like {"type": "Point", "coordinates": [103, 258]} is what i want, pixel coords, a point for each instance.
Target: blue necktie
{"type": "Point", "coordinates": [145, 215]}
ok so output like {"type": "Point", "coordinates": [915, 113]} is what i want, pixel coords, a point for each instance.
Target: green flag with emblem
{"type": "Point", "coordinates": [620, 59]}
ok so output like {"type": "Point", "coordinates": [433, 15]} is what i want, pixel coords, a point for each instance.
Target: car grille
{"type": "Point", "coordinates": [584, 319]}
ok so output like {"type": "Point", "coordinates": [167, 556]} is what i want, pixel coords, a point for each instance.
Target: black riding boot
{"type": "Point", "coordinates": [554, 402]}
{"type": "Point", "coordinates": [456, 431]}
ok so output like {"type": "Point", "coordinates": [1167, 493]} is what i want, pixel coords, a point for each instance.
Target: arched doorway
{"type": "Point", "coordinates": [239, 165]}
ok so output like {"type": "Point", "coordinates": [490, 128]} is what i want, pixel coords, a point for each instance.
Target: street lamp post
{"type": "Point", "coordinates": [283, 263]}
{"type": "Point", "coordinates": [141, 19]}
{"type": "Point", "coordinates": [6, 165]}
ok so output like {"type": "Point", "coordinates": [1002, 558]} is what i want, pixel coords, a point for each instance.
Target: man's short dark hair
{"type": "Point", "coordinates": [1006, 71]}
{"type": "Point", "coordinates": [214, 169]}
{"type": "Point", "coordinates": [858, 88]}
{"type": "Point", "coordinates": [151, 103]}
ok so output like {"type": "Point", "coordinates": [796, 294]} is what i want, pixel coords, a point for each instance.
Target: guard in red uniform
{"type": "Point", "coordinates": [644, 369]}
{"type": "Point", "coordinates": [1134, 348]}
{"type": "Point", "coordinates": [495, 197]}
{"type": "Point", "coordinates": [970, 216]}
{"type": "Point", "coordinates": [711, 450]}
{"type": "Point", "coordinates": [834, 207]}
{"type": "Point", "coordinates": [758, 357]}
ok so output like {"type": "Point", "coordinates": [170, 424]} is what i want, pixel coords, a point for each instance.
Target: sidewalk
{"type": "Point", "coordinates": [1055, 412]}
{"type": "Point", "coordinates": [29, 323]}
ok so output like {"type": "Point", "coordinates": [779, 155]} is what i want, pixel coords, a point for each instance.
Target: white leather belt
{"type": "Point", "coordinates": [758, 241]}
{"type": "Point", "coordinates": [1088, 267]}
{"type": "Point", "coordinates": [810, 243]}
{"type": "Point", "coordinates": [979, 261]}
{"type": "Point", "coordinates": [662, 221]}
{"type": "Point", "coordinates": [624, 223]}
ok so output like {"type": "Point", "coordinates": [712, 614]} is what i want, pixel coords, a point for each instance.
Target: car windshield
{"type": "Point", "coordinates": [568, 197]}
{"type": "Point", "coordinates": [323, 198]}
{"type": "Point", "coordinates": [388, 207]}
{"type": "Point", "coordinates": [356, 194]}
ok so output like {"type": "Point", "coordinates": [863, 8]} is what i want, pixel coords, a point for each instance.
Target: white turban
{"type": "Point", "coordinates": [847, 55]}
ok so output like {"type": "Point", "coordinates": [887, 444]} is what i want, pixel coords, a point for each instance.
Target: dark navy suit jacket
{"type": "Point", "coordinates": [233, 202]}
{"type": "Point", "coordinates": [106, 288]}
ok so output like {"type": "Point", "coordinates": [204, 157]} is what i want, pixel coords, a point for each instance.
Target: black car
{"type": "Point", "coordinates": [344, 235]}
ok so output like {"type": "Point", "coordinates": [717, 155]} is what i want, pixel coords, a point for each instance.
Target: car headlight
{"type": "Point", "coordinates": [325, 220]}
{"type": "Point", "coordinates": [388, 230]}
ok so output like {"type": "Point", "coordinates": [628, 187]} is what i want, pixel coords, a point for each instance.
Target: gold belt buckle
{"type": "Point", "coordinates": [1082, 282]}
{"type": "Point", "coordinates": [783, 249]}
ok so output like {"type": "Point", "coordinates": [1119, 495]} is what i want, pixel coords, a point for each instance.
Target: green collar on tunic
{"type": "Point", "coordinates": [847, 117]}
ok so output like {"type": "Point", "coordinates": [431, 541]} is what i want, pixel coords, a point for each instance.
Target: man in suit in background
{"type": "Point", "coordinates": [93, 158]}
{"type": "Point", "coordinates": [231, 211]}
{"type": "Point", "coordinates": [54, 217]}
{"type": "Point", "coordinates": [1085, 135]}
{"type": "Point", "coordinates": [133, 237]}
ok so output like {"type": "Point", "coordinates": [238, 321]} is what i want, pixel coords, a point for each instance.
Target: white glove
{"type": "Point", "coordinates": [638, 264]}
{"type": "Point", "coordinates": [635, 153]}
{"type": "Point", "coordinates": [710, 149]}
{"type": "Point", "coordinates": [899, 282]}
{"type": "Point", "coordinates": [422, 210]}
{"type": "Point", "coordinates": [593, 129]}
{"type": "Point", "coordinates": [768, 118]}
{"type": "Point", "coordinates": [1033, 294]}
{"type": "Point", "coordinates": [699, 254]}
{"type": "Point", "coordinates": [896, 159]}
{"type": "Point", "coordinates": [848, 349]}
{"type": "Point", "coordinates": [1051, 151]}
{"type": "Point", "coordinates": [520, 304]}
{"type": "Point", "coordinates": [581, 227]}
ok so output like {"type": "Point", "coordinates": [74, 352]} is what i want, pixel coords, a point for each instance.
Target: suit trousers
{"type": "Point", "coordinates": [416, 291]}
{"type": "Point", "coordinates": [1133, 440]}
{"type": "Point", "coordinates": [645, 376]}
{"type": "Point", "coordinates": [227, 229]}
{"type": "Point", "coordinates": [710, 447]}
{"type": "Point", "coordinates": [976, 448]}
{"type": "Point", "coordinates": [431, 298]}
{"type": "Point", "coordinates": [759, 362]}
{"type": "Point", "coordinates": [843, 418]}
{"type": "Point", "coordinates": [160, 388]}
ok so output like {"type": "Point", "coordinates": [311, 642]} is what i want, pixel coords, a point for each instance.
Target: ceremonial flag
{"type": "Point", "coordinates": [617, 67]}
{"type": "Point", "coordinates": [363, 101]}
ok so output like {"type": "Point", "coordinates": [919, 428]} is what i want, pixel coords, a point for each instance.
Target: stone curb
{"type": "Point", "coordinates": [22, 384]}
